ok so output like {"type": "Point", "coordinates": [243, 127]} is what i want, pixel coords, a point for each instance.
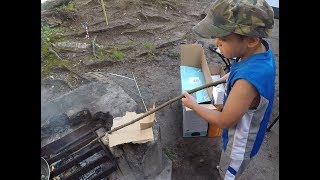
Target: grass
{"type": "Point", "coordinates": [151, 49]}
{"type": "Point", "coordinates": [53, 62]}
{"type": "Point", "coordinates": [117, 54]}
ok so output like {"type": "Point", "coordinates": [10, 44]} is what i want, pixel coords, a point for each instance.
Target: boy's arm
{"type": "Point", "coordinates": [238, 102]}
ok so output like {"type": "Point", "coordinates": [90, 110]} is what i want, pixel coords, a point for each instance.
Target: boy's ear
{"type": "Point", "coordinates": [253, 42]}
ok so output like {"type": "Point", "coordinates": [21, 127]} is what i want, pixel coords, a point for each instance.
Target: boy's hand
{"type": "Point", "coordinates": [188, 100]}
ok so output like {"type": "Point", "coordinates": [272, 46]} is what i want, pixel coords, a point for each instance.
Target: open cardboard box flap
{"type": "Point", "coordinates": [193, 55]}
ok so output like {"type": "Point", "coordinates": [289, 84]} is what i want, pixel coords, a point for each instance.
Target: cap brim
{"type": "Point", "coordinates": [206, 29]}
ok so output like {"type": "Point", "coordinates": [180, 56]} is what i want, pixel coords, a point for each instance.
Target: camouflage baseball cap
{"type": "Point", "coordinates": [245, 17]}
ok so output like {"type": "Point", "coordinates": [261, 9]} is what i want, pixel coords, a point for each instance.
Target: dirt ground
{"type": "Point", "coordinates": [142, 38]}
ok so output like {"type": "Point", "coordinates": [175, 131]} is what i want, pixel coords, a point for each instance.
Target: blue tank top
{"type": "Point", "coordinates": [246, 137]}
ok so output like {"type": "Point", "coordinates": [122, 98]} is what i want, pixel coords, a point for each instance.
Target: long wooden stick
{"type": "Point", "coordinates": [104, 11]}
{"type": "Point", "coordinates": [167, 103]}
{"type": "Point", "coordinates": [155, 109]}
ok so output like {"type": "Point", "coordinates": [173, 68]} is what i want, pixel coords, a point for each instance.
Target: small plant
{"type": "Point", "coordinates": [151, 49]}
{"type": "Point", "coordinates": [48, 34]}
{"type": "Point", "coordinates": [116, 54]}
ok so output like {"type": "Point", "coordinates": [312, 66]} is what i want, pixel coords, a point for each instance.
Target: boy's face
{"type": "Point", "coordinates": [232, 45]}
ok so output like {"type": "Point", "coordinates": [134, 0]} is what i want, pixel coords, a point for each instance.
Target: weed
{"type": "Point", "coordinates": [151, 49]}
{"type": "Point", "coordinates": [116, 54]}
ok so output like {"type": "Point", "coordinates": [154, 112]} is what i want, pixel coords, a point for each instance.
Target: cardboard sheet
{"type": "Point", "coordinates": [135, 132]}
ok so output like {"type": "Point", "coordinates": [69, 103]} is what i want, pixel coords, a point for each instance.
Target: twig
{"type": "Point", "coordinates": [55, 53]}
{"type": "Point", "coordinates": [139, 92]}
{"type": "Point", "coordinates": [104, 11]}
{"type": "Point", "coordinates": [121, 76]}
{"type": "Point", "coordinates": [93, 47]}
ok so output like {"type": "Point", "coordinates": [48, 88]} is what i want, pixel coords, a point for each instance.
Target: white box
{"type": "Point", "coordinates": [193, 124]}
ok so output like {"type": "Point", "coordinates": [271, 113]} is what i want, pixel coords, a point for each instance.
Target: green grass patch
{"type": "Point", "coordinates": [151, 49]}
{"type": "Point", "coordinates": [52, 62]}
{"type": "Point", "coordinates": [118, 55]}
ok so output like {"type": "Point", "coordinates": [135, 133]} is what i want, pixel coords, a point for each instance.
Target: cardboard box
{"type": "Point", "coordinates": [193, 124]}
{"type": "Point", "coordinates": [192, 55]}
{"type": "Point", "coordinates": [216, 72]}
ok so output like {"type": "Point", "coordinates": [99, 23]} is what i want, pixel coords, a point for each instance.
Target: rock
{"type": "Point", "coordinates": [152, 161]}
{"type": "Point", "coordinates": [52, 88]}
{"type": "Point", "coordinates": [95, 97]}
{"type": "Point", "coordinates": [148, 157]}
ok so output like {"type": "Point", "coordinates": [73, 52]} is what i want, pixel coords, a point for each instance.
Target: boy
{"type": "Point", "coordinates": [239, 26]}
